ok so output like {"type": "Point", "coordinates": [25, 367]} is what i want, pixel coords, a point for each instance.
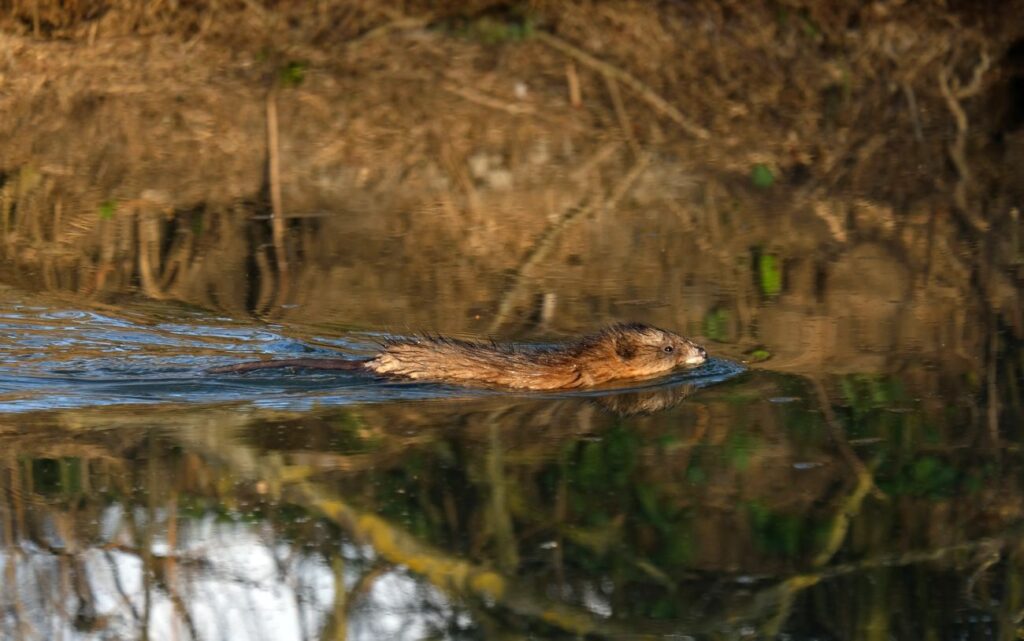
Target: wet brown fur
{"type": "Point", "coordinates": [624, 351]}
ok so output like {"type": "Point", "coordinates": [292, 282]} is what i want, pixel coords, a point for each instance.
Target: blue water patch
{"type": "Point", "coordinates": [67, 358]}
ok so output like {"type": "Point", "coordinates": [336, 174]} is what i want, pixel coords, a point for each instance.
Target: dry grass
{"type": "Point", "coordinates": [452, 160]}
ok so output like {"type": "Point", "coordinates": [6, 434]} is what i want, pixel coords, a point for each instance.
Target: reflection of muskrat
{"type": "Point", "coordinates": [625, 351]}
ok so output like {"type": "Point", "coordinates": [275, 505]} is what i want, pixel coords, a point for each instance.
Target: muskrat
{"type": "Point", "coordinates": [620, 352]}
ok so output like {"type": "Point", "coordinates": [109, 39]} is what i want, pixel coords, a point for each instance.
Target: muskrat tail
{"type": "Point", "coordinates": [304, 363]}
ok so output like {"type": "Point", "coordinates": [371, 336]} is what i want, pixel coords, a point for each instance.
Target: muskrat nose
{"type": "Point", "coordinates": [703, 352]}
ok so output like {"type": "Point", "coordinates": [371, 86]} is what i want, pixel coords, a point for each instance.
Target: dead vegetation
{"type": "Point", "coordinates": [340, 150]}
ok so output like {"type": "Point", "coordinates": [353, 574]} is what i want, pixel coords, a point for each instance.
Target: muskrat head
{"type": "Point", "coordinates": [649, 351]}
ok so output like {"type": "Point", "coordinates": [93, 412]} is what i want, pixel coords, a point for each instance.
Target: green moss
{"type": "Point", "coordinates": [107, 209]}
{"type": "Point", "coordinates": [293, 73]}
{"type": "Point", "coordinates": [761, 176]}
{"type": "Point", "coordinates": [769, 274]}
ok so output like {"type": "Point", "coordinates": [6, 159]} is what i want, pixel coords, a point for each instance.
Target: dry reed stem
{"type": "Point", "coordinates": [915, 116]}
{"type": "Point", "coordinates": [649, 95]}
{"type": "Point", "coordinates": [265, 282]}
{"type": "Point", "coordinates": [274, 175]}
{"type": "Point", "coordinates": [148, 238]}
{"type": "Point", "coordinates": [277, 210]}
{"type": "Point", "coordinates": [572, 79]}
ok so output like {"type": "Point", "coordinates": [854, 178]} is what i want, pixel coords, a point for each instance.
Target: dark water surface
{"type": "Point", "coordinates": [143, 493]}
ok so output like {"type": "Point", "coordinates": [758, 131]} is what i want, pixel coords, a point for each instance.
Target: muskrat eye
{"type": "Point", "coordinates": [669, 349]}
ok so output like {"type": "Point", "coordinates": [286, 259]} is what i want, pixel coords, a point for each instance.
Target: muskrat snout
{"type": "Point", "coordinates": [697, 356]}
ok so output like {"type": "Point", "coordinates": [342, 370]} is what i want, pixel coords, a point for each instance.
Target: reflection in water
{"type": "Point", "coordinates": [739, 508]}
{"type": "Point", "coordinates": [645, 402]}
{"type": "Point", "coordinates": [216, 576]}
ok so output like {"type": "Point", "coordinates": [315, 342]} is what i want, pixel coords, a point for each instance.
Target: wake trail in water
{"type": "Point", "coordinates": [61, 359]}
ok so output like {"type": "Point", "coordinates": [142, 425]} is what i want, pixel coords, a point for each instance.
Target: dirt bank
{"type": "Point", "coordinates": [469, 166]}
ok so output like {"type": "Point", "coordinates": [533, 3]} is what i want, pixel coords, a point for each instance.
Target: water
{"type": "Point", "coordinates": [143, 491]}
{"type": "Point", "coordinates": [67, 358]}
{"type": "Point", "coordinates": [848, 465]}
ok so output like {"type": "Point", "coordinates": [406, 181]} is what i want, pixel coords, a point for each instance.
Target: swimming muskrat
{"type": "Point", "coordinates": [620, 352]}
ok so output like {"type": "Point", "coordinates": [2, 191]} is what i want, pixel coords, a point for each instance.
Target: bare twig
{"type": "Point", "coordinates": [398, 23]}
{"type": "Point", "coordinates": [606, 151]}
{"type": "Point", "coordinates": [623, 186]}
{"type": "Point", "coordinates": [652, 98]}
{"type": "Point", "coordinates": [550, 235]}
{"type": "Point", "coordinates": [481, 98]}
{"type": "Point", "coordinates": [622, 115]}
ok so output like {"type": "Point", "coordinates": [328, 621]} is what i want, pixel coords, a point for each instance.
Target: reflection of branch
{"type": "Point", "coordinates": [839, 438]}
{"type": "Point", "coordinates": [773, 600]}
{"type": "Point", "coordinates": [988, 558]}
{"type": "Point", "coordinates": [119, 586]}
{"type": "Point", "coordinates": [170, 567]}
{"type": "Point", "coordinates": [452, 574]}
{"type": "Point", "coordinates": [779, 600]}
{"type": "Point", "coordinates": [498, 516]}
{"type": "Point", "coordinates": [14, 515]}
{"type": "Point", "coordinates": [841, 522]}
{"type": "Point", "coordinates": [335, 625]}
{"type": "Point", "coordinates": [182, 609]}
{"type": "Point", "coordinates": [13, 555]}
{"type": "Point", "coordinates": [954, 93]}
{"type": "Point", "coordinates": [362, 585]}
{"type": "Point", "coordinates": [865, 481]}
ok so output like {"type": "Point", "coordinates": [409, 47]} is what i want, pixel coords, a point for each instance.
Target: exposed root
{"type": "Point", "coordinates": [953, 93]}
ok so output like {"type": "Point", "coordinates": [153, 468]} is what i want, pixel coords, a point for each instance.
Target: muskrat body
{"type": "Point", "coordinates": [619, 352]}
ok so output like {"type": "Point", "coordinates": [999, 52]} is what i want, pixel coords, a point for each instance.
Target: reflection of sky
{"type": "Point", "coordinates": [237, 583]}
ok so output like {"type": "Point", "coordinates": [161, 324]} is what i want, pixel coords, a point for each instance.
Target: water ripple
{"type": "Point", "coordinates": [67, 358]}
